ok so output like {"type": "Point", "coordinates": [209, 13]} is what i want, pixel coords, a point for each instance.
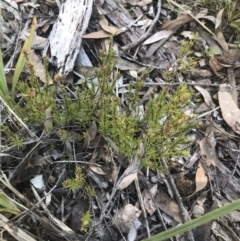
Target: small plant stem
{"type": "Point", "coordinates": [148, 32]}
{"type": "Point", "coordinates": [189, 234]}
{"type": "Point", "coordinates": [162, 221]}
{"type": "Point", "coordinates": [142, 206]}
{"type": "Point", "coordinates": [115, 188]}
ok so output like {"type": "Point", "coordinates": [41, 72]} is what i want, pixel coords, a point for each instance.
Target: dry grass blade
{"type": "Point", "coordinates": [15, 231]}
{"type": "Point", "coordinates": [179, 6]}
{"type": "Point", "coordinates": [22, 58]}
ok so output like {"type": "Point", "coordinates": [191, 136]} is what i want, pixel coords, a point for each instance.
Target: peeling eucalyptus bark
{"type": "Point", "coordinates": [65, 38]}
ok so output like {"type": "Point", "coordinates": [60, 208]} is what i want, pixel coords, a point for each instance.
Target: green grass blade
{"type": "Point", "coordinates": [22, 59]}
{"type": "Point", "coordinates": [3, 81]}
{"type": "Point", "coordinates": [196, 222]}
{"type": "Point", "coordinates": [7, 205]}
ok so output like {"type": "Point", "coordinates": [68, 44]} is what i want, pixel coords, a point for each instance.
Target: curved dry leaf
{"type": "Point", "coordinates": [90, 135]}
{"type": "Point", "coordinates": [207, 97]}
{"type": "Point", "coordinates": [219, 18]}
{"type": "Point", "coordinates": [230, 111]}
{"type": "Point", "coordinates": [97, 170]}
{"type": "Point", "coordinates": [126, 217]}
{"type": "Point", "coordinates": [202, 13]}
{"type": "Point", "coordinates": [158, 36]}
{"type": "Point", "coordinates": [39, 68]}
{"type": "Point", "coordinates": [126, 181]}
{"type": "Point", "coordinates": [207, 147]}
{"type": "Point", "coordinates": [218, 32]}
{"type": "Point", "coordinates": [97, 35]}
{"type": "Point", "coordinates": [92, 130]}
{"type": "Point", "coordinates": [153, 190]}
{"type": "Point", "coordinates": [110, 29]}
{"type": "Point", "coordinates": [201, 178]}
{"type": "Point", "coordinates": [133, 73]}
{"type": "Point", "coordinates": [188, 34]}
{"type": "Point", "coordinates": [221, 40]}
{"type": "Point", "coordinates": [168, 206]}
{"type": "Point", "coordinates": [176, 23]}
{"type": "Point", "coordinates": [215, 66]}
{"type": "Point", "coordinates": [211, 18]}
{"type": "Point", "coordinates": [148, 201]}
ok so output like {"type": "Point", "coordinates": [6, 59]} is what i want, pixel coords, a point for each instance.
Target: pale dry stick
{"type": "Point", "coordinates": [148, 32]}
{"type": "Point", "coordinates": [142, 205]}
{"type": "Point", "coordinates": [73, 161]}
{"type": "Point", "coordinates": [119, 230]}
{"type": "Point", "coordinates": [179, 6]}
{"type": "Point", "coordinates": [189, 234]}
{"type": "Point", "coordinates": [162, 221]}
{"type": "Point", "coordinates": [172, 84]}
{"type": "Point", "coordinates": [66, 234]}
{"type": "Point", "coordinates": [207, 113]}
{"type": "Point", "coordinates": [132, 168]}
{"type": "Point", "coordinates": [4, 180]}
{"type": "Point", "coordinates": [115, 188]}
{"type": "Point", "coordinates": [236, 164]}
{"type": "Point", "coordinates": [23, 214]}
{"type": "Point", "coordinates": [55, 220]}
{"type": "Point", "coordinates": [13, 230]}
{"type": "Point", "coordinates": [135, 21]}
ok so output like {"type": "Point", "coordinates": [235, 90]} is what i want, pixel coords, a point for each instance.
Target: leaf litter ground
{"type": "Point", "coordinates": [127, 201]}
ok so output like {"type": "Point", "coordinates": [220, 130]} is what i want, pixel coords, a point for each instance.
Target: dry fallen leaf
{"type": "Point", "coordinates": [168, 205]}
{"type": "Point", "coordinates": [176, 23]}
{"type": "Point", "coordinates": [218, 32]}
{"type": "Point", "coordinates": [125, 218]}
{"type": "Point", "coordinates": [39, 68]}
{"type": "Point", "coordinates": [215, 66]}
{"type": "Point", "coordinates": [230, 110]}
{"type": "Point", "coordinates": [232, 82]}
{"type": "Point", "coordinates": [188, 34]}
{"type": "Point", "coordinates": [201, 178]}
{"type": "Point", "coordinates": [90, 135]}
{"type": "Point", "coordinates": [97, 35]}
{"type": "Point", "coordinates": [219, 19]}
{"type": "Point", "coordinates": [97, 170]}
{"type": "Point", "coordinates": [126, 181]}
{"type": "Point", "coordinates": [207, 97]}
{"type": "Point", "coordinates": [110, 29]}
{"type": "Point", "coordinates": [207, 148]}
{"type": "Point", "coordinates": [149, 202]}
{"type": "Point", "coordinates": [158, 36]}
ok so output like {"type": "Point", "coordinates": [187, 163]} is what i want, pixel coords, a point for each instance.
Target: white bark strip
{"type": "Point", "coordinates": [65, 39]}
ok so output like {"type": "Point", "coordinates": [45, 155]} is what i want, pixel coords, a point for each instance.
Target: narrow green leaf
{"type": "Point", "coordinates": [3, 81]}
{"type": "Point", "coordinates": [22, 59]}
{"type": "Point", "coordinates": [7, 210]}
{"type": "Point", "coordinates": [7, 204]}
{"type": "Point", "coordinates": [196, 222]}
